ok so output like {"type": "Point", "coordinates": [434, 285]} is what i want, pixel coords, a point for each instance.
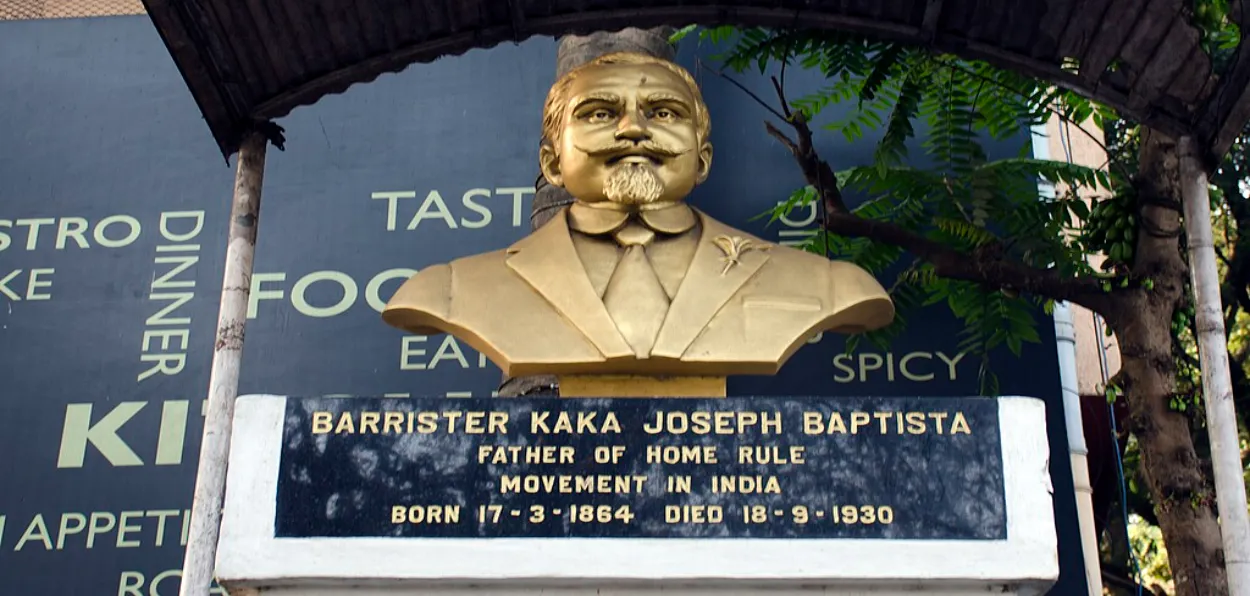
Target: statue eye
{"type": "Point", "coordinates": [663, 114]}
{"type": "Point", "coordinates": [599, 115]}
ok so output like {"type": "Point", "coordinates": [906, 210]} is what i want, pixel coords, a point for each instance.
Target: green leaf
{"type": "Point", "coordinates": [681, 33]}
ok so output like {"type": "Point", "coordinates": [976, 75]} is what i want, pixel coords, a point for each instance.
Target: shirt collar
{"type": "Point", "coordinates": [602, 218]}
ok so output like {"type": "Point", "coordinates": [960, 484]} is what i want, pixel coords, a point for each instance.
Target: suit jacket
{"type": "Point", "coordinates": [532, 310]}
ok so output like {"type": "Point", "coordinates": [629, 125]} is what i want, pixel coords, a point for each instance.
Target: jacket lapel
{"type": "Point", "coordinates": [705, 290]}
{"type": "Point", "coordinates": [547, 261]}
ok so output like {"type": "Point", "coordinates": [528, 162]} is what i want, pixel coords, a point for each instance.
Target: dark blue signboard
{"type": "Point", "coordinates": [740, 467]}
{"type": "Point", "coordinates": [113, 205]}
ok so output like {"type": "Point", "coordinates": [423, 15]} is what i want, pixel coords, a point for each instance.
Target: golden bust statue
{"type": "Point", "coordinates": [629, 280]}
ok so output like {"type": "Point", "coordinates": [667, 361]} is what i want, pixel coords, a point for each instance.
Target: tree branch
{"type": "Point", "coordinates": [985, 265]}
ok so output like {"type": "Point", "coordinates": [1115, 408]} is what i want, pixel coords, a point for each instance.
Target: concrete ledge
{"type": "Point", "coordinates": [250, 557]}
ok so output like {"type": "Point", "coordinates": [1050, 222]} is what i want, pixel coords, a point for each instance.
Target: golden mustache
{"type": "Point", "coordinates": [648, 147]}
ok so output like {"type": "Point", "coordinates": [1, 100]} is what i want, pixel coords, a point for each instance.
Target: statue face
{"type": "Point", "coordinates": [629, 137]}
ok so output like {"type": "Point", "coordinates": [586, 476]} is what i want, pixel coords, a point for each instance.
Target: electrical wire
{"type": "Point", "coordinates": [1119, 460]}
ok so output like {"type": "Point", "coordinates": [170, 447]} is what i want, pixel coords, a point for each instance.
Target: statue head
{"type": "Point", "coordinates": [626, 128]}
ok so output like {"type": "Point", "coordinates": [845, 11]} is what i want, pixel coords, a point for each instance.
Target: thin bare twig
{"type": "Point", "coordinates": [735, 83]}
{"type": "Point", "coordinates": [780, 87]}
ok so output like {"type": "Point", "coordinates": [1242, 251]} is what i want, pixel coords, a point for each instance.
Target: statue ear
{"type": "Point", "coordinates": [705, 163]}
{"type": "Point", "coordinates": [549, 163]}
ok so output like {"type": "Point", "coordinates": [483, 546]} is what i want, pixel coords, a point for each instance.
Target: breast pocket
{"type": "Point", "coordinates": [764, 302]}
{"type": "Point", "coordinates": [778, 321]}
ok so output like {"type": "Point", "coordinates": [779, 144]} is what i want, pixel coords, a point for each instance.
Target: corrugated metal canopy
{"type": "Point", "coordinates": [255, 60]}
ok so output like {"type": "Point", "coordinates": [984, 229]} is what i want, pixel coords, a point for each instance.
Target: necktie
{"type": "Point", "coordinates": [635, 299]}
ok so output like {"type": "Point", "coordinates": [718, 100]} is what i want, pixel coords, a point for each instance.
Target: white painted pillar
{"type": "Point", "coordinates": [223, 384]}
{"type": "Point", "coordinates": [1217, 384]}
{"type": "Point", "coordinates": [1078, 452]}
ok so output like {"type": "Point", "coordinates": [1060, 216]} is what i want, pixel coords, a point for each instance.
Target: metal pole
{"type": "Point", "coordinates": [1217, 386]}
{"type": "Point", "coordinates": [223, 384]}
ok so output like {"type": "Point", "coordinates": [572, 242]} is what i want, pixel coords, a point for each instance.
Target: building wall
{"type": "Point", "coordinates": [17, 10]}
{"type": "Point", "coordinates": [1074, 144]}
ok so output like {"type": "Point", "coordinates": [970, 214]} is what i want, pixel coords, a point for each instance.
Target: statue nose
{"type": "Point", "coordinates": [632, 128]}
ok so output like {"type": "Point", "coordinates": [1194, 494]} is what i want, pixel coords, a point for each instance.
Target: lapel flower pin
{"type": "Point", "coordinates": [734, 247]}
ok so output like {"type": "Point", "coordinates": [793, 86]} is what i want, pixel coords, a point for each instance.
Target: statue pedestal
{"type": "Point", "coordinates": [727, 496]}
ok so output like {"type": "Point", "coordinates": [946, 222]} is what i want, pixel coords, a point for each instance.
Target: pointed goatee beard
{"type": "Point", "coordinates": [633, 184]}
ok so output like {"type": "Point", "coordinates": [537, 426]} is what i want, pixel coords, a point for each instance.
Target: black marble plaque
{"type": "Point", "coordinates": [752, 467]}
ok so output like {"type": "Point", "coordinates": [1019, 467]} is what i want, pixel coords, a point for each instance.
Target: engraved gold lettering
{"type": "Point", "coordinates": [746, 485]}
{"type": "Point", "coordinates": [701, 423]}
{"type": "Point", "coordinates": [585, 424]}
{"type": "Point", "coordinates": [960, 425]}
{"type": "Point", "coordinates": [425, 514]}
{"type": "Point", "coordinates": [574, 423]}
{"type": "Point", "coordinates": [474, 423]}
{"type": "Point", "coordinates": [681, 454]}
{"type": "Point", "coordinates": [567, 484]}
{"type": "Point", "coordinates": [770, 423]}
{"type": "Point", "coordinates": [538, 422]}
{"type": "Point", "coordinates": [427, 422]}
{"type": "Point", "coordinates": [346, 424]}
{"type": "Point", "coordinates": [393, 423]}
{"type": "Point", "coordinates": [915, 423]}
{"type": "Point", "coordinates": [773, 454]}
{"type": "Point", "coordinates": [836, 424]}
{"type": "Point", "coordinates": [720, 423]}
{"type": "Point", "coordinates": [322, 423]}
{"type": "Point", "coordinates": [813, 423]}
{"type": "Point", "coordinates": [904, 423]}
{"type": "Point", "coordinates": [497, 423]}
{"type": "Point", "coordinates": [610, 424]}
{"type": "Point", "coordinates": [693, 514]}
{"type": "Point", "coordinates": [369, 422]}
{"type": "Point", "coordinates": [654, 427]}
{"type": "Point", "coordinates": [679, 484]}
{"type": "Point", "coordinates": [859, 419]}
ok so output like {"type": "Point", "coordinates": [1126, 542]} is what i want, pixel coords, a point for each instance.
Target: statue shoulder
{"type": "Point", "coordinates": [849, 277]}
{"type": "Point", "coordinates": [422, 301]}
{"type": "Point", "coordinates": [845, 279]}
{"type": "Point", "coordinates": [860, 297]}
{"type": "Point", "coordinates": [423, 304]}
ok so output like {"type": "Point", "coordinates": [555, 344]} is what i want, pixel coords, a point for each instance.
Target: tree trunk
{"type": "Point", "coordinates": [1173, 472]}
{"type": "Point", "coordinates": [574, 51]}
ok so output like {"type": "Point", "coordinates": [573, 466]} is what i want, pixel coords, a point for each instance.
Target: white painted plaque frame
{"type": "Point", "coordinates": [250, 556]}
